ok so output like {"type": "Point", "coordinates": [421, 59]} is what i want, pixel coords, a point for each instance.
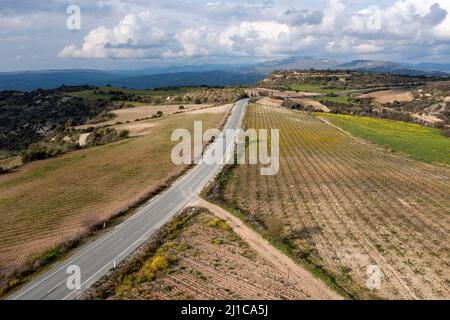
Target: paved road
{"type": "Point", "coordinates": [97, 258]}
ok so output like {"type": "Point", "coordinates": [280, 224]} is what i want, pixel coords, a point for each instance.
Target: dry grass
{"type": "Point", "coordinates": [270, 102]}
{"type": "Point", "coordinates": [347, 204]}
{"type": "Point", "coordinates": [389, 96]}
{"type": "Point", "coordinates": [144, 112]}
{"type": "Point", "coordinates": [46, 202]}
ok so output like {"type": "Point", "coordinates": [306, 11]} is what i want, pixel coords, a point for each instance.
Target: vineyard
{"type": "Point", "coordinates": [213, 95]}
{"type": "Point", "coordinates": [45, 203]}
{"type": "Point", "coordinates": [200, 258]}
{"type": "Point", "coordinates": [344, 205]}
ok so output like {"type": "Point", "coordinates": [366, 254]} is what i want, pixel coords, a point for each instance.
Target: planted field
{"type": "Point", "coordinates": [47, 202]}
{"type": "Point", "coordinates": [144, 112]}
{"type": "Point", "coordinates": [199, 257]}
{"type": "Point", "coordinates": [213, 95]}
{"type": "Point", "coordinates": [312, 88]}
{"type": "Point", "coordinates": [344, 205]}
{"type": "Point", "coordinates": [337, 99]}
{"type": "Point", "coordinates": [419, 142]}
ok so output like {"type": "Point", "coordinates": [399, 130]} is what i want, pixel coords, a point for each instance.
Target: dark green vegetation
{"type": "Point", "coordinates": [130, 95]}
{"type": "Point", "coordinates": [28, 117]}
{"type": "Point", "coordinates": [419, 142]}
{"type": "Point", "coordinates": [334, 81]}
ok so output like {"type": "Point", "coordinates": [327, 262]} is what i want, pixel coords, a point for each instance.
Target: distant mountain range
{"type": "Point", "coordinates": [196, 75]}
{"type": "Point", "coordinates": [305, 63]}
{"type": "Point", "coordinates": [53, 79]}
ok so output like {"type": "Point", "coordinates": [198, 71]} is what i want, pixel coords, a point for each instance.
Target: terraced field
{"type": "Point", "coordinates": [200, 257]}
{"type": "Point", "coordinates": [344, 205]}
{"type": "Point", "coordinates": [47, 202]}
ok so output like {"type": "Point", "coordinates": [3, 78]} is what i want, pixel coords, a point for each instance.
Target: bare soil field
{"type": "Point", "coordinates": [389, 96]}
{"type": "Point", "coordinates": [213, 110]}
{"type": "Point", "coordinates": [47, 202]}
{"type": "Point", "coordinates": [144, 112]}
{"type": "Point", "coordinates": [200, 257]}
{"type": "Point", "coordinates": [270, 102]}
{"type": "Point", "coordinates": [313, 103]}
{"type": "Point", "coordinates": [136, 129]}
{"type": "Point", "coordinates": [141, 128]}
{"type": "Point", "coordinates": [344, 205]}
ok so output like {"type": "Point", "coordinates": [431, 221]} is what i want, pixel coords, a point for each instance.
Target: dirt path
{"type": "Point", "coordinates": [314, 287]}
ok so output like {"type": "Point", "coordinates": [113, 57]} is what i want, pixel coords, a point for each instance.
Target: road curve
{"type": "Point", "coordinates": [97, 258]}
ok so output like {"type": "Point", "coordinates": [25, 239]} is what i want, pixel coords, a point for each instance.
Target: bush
{"type": "Point", "coordinates": [149, 270]}
{"type": "Point", "coordinates": [181, 108]}
{"type": "Point", "coordinates": [446, 133]}
{"type": "Point", "coordinates": [219, 224]}
{"type": "Point", "coordinates": [39, 152]}
{"type": "Point", "coordinates": [274, 227]}
{"type": "Point", "coordinates": [124, 134]}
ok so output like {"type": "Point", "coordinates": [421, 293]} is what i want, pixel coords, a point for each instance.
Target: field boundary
{"type": "Point", "coordinates": [386, 148]}
{"type": "Point", "coordinates": [304, 279]}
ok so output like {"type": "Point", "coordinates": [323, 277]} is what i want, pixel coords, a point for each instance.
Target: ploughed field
{"type": "Point", "coordinates": [345, 204]}
{"type": "Point", "coordinates": [48, 202]}
{"type": "Point", "coordinates": [197, 256]}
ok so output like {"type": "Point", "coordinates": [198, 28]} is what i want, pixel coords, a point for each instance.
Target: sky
{"type": "Point", "coordinates": [126, 34]}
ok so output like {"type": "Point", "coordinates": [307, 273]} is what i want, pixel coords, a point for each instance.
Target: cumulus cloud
{"type": "Point", "coordinates": [337, 28]}
{"type": "Point", "coordinates": [135, 36]}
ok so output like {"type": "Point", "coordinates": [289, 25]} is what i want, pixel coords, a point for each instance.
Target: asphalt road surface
{"type": "Point", "coordinates": [97, 258]}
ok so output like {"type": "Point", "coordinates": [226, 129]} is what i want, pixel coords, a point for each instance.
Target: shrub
{"type": "Point", "coordinates": [39, 152]}
{"type": "Point", "coordinates": [149, 270]}
{"type": "Point", "coordinates": [274, 226]}
{"type": "Point", "coordinates": [181, 107]}
{"type": "Point", "coordinates": [124, 134]}
{"type": "Point", "coordinates": [219, 224]}
{"type": "Point", "coordinates": [446, 132]}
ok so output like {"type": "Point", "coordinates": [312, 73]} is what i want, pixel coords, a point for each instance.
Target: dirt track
{"type": "Point", "coordinates": [314, 287]}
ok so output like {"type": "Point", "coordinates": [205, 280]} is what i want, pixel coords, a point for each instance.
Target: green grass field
{"type": "Point", "coordinates": [419, 142]}
{"type": "Point", "coordinates": [338, 99]}
{"type": "Point", "coordinates": [312, 88]}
